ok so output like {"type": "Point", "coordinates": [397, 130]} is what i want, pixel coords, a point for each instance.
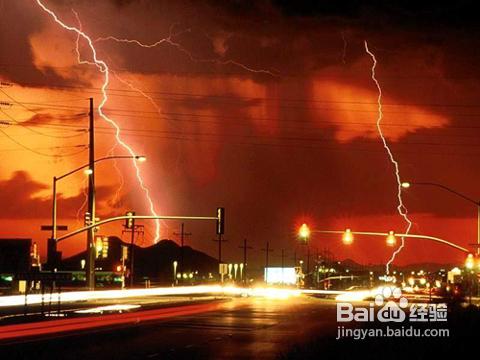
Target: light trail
{"type": "Point", "coordinates": [43, 328]}
{"type": "Point", "coordinates": [402, 210]}
{"type": "Point", "coordinates": [73, 296]}
{"type": "Point", "coordinates": [103, 68]}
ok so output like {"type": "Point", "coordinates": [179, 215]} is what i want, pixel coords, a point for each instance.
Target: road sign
{"type": "Point", "coordinates": [50, 227]}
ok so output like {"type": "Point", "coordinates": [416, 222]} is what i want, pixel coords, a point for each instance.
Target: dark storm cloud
{"type": "Point", "coordinates": [40, 119]}
{"type": "Point", "coordinates": [401, 14]}
{"type": "Point", "coordinates": [20, 19]}
{"type": "Point", "coordinates": [19, 196]}
{"type": "Point", "coordinates": [289, 37]}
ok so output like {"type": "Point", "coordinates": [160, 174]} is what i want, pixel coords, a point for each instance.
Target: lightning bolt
{"type": "Point", "coordinates": [84, 203]}
{"type": "Point", "coordinates": [116, 199]}
{"type": "Point", "coordinates": [402, 210]}
{"type": "Point", "coordinates": [111, 152]}
{"type": "Point", "coordinates": [104, 69]}
{"type": "Point", "coordinates": [170, 41]}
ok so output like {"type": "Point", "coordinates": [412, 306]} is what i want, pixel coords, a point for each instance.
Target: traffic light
{"type": "Point", "coordinates": [220, 221]}
{"type": "Point", "coordinates": [105, 247]}
{"type": "Point", "coordinates": [98, 246]}
{"type": "Point", "coordinates": [87, 219]}
{"type": "Point", "coordinates": [130, 222]}
{"type": "Point", "coordinates": [101, 247]}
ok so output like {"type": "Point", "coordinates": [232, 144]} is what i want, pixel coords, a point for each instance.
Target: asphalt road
{"type": "Point", "coordinates": [251, 328]}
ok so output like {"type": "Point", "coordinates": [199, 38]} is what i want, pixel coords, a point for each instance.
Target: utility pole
{"type": "Point", "coordinates": [245, 248]}
{"type": "Point", "coordinates": [182, 243]}
{"type": "Point", "coordinates": [90, 256]}
{"type": "Point", "coordinates": [267, 251]}
{"type": "Point", "coordinates": [132, 228]}
{"type": "Point", "coordinates": [219, 240]}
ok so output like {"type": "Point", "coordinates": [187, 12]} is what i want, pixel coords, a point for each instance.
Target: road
{"type": "Point", "coordinates": [241, 328]}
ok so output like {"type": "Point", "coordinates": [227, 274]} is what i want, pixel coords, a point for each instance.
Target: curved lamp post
{"type": "Point", "coordinates": [407, 185]}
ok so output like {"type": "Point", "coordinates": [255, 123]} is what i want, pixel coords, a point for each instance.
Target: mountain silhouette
{"type": "Point", "coordinates": [153, 262]}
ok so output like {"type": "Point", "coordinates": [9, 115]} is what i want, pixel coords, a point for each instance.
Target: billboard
{"type": "Point", "coordinates": [279, 275]}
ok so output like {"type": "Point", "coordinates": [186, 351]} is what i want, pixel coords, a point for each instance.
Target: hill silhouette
{"type": "Point", "coordinates": [154, 262]}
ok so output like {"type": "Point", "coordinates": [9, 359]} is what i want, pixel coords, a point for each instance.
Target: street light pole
{"type": "Point", "coordinates": [407, 184]}
{"type": "Point", "coordinates": [90, 256]}
{"type": "Point", "coordinates": [414, 236]}
{"type": "Point", "coordinates": [85, 166]}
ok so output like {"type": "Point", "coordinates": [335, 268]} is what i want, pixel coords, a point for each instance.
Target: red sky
{"type": "Point", "coordinates": [274, 150]}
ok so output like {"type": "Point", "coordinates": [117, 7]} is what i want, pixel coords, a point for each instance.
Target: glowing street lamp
{"type": "Point", "coordinates": [89, 171]}
{"type": "Point", "coordinates": [304, 232]}
{"type": "Point", "coordinates": [405, 184]}
{"type": "Point", "coordinates": [391, 239]}
{"type": "Point", "coordinates": [347, 237]}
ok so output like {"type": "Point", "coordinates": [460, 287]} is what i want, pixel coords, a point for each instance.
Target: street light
{"type": "Point", "coordinates": [347, 237]}
{"type": "Point", "coordinates": [407, 184]}
{"type": "Point", "coordinates": [88, 171]}
{"type": "Point", "coordinates": [391, 239]}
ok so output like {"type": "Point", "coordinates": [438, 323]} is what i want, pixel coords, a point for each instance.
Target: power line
{"type": "Point", "coordinates": [293, 107]}
{"type": "Point", "coordinates": [420, 77]}
{"type": "Point", "coordinates": [152, 132]}
{"type": "Point", "coordinates": [248, 98]}
{"type": "Point", "coordinates": [39, 152]}
{"type": "Point", "coordinates": [23, 125]}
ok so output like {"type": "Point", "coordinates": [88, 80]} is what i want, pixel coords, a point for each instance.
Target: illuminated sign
{"type": "Point", "coordinates": [278, 275]}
